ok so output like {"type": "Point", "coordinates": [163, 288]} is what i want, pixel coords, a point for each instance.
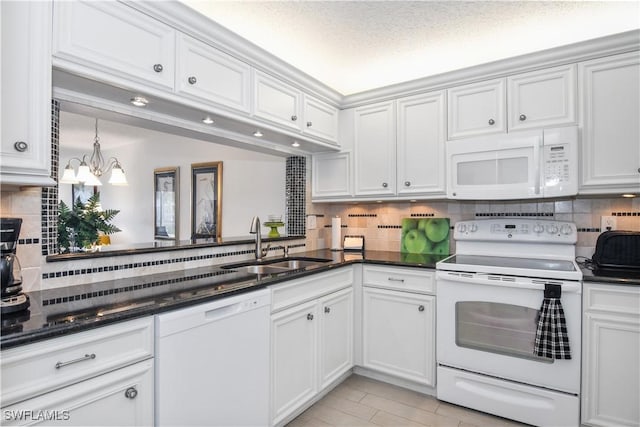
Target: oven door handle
{"type": "Point", "coordinates": [507, 281]}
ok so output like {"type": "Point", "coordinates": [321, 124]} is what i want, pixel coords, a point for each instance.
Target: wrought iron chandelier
{"type": "Point", "coordinates": [89, 173]}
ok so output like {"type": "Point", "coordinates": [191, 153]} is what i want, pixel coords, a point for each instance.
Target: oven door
{"type": "Point", "coordinates": [487, 324]}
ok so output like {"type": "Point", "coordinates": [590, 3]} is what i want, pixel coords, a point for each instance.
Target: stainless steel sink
{"type": "Point", "coordinates": [277, 265]}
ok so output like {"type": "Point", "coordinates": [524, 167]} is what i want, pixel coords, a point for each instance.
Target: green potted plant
{"type": "Point", "coordinates": [80, 226]}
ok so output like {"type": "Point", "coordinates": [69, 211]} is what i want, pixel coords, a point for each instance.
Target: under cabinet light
{"type": "Point", "coordinates": [295, 144]}
{"type": "Point", "coordinates": [139, 101]}
{"type": "Point", "coordinates": [207, 120]}
{"type": "Point", "coordinates": [257, 134]}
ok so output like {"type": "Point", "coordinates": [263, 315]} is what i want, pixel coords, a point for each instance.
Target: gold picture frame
{"type": "Point", "coordinates": [166, 212]}
{"type": "Point", "coordinates": [206, 200]}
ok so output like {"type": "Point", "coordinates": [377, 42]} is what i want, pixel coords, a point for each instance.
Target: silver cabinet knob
{"type": "Point", "coordinates": [294, 118]}
{"type": "Point", "coordinates": [158, 68]}
{"type": "Point", "coordinates": [407, 183]}
{"type": "Point", "coordinates": [131, 393]}
{"type": "Point", "coordinates": [492, 122]}
{"type": "Point", "coordinates": [385, 185]}
{"type": "Point", "coordinates": [21, 146]}
{"type": "Point", "coordinates": [309, 316]}
{"type": "Point", "coordinates": [523, 117]}
{"type": "Point", "coordinates": [309, 124]}
{"type": "Point", "coordinates": [421, 308]}
{"type": "Point", "coordinates": [192, 80]}
{"type": "Point", "coordinates": [327, 309]}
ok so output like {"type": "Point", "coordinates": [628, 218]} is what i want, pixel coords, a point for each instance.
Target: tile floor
{"type": "Point", "coordinates": [361, 401]}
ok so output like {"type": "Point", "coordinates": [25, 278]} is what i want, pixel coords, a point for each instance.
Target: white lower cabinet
{"type": "Point", "coordinates": [99, 377]}
{"type": "Point", "coordinates": [120, 398]}
{"type": "Point", "coordinates": [611, 355]}
{"type": "Point", "coordinates": [398, 336]}
{"type": "Point", "coordinates": [311, 340]}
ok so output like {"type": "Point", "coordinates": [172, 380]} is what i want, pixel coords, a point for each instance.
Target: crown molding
{"type": "Point", "coordinates": [610, 45]}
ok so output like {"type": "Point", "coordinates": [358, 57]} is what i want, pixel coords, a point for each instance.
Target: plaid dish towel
{"type": "Point", "coordinates": [552, 340]}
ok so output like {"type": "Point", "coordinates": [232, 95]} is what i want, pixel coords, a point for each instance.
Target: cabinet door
{"type": "Point", "coordinates": [331, 175]}
{"type": "Point", "coordinates": [120, 398]}
{"type": "Point", "coordinates": [542, 98]}
{"type": "Point", "coordinates": [114, 39]}
{"type": "Point", "coordinates": [320, 119]}
{"type": "Point", "coordinates": [477, 109]}
{"type": "Point", "coordinates": [611, 386]}
{"type": "Point", "coordinates": [375, 149]}
{"type": "Point", "coordinates": [610, 101]}
{"type": "Point", "coordinates": [293, 359]}
{"type": "Point", "coordinates": [276, 101]}
{"type": "Point", "coordinates": [420, 150]}
{"type": "Point", "coordinates": [211, 75]}
{"type": "Point", "coordinates": [399, 334]}
{"type": "Point", "coordinates": [336, 335]}
{"type": "Point", "coordinates": [611, 355]}
{"type": "Point", "coordinates": [25, 115]}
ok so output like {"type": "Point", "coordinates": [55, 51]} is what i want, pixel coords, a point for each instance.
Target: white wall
{"type": "Point", "coordinates": [253, 183]}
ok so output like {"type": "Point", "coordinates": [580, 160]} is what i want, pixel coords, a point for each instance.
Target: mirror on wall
{"type": "Point", "coordinates": [157, 204]}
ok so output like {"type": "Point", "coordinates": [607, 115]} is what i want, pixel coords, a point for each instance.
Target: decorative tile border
{"type": "Point", "coordinates": [96, 294]}
{"type": "Point", "coordinates": [625, 213]}
{"type": "Point", "coordinates": [588, 230]}
{"type": "Point", "coordinates": [49, 209]}
{"type": "Point", "coordinates": [29, 241]}
{"type": "Point", "coordinates": [295, 192]}
{"type": "Point", "coordinates": [422, 215]}
{"type": "Point", "coordinates": [363, 215]}
{"type": "Point", "coordinates": [380, 226]}
{"type": "Point", "coordinates": [514, 214]}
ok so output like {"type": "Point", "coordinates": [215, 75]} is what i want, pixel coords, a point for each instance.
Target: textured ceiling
{"type": "Point", "coordinates": [353, 46]}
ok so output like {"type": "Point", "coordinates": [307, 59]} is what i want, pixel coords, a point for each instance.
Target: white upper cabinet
{"type": "Point", "coordinates": [320, 119]}
{"type": "Point", "coordinates": [610, 107]}
{"type": "Point", "coordinates": [542, 98]}
{"type": "Point", "coordinates": [331, 175]}
{"type": "Point", "coordinates": [420, 144]}
{"type": "Point", "coordinates": [25, 115]}
{"type": "Point", "coordinates": [210, 75]}
{"type": "Point", "coordinates": [477, 109]}
{"type": "Point", "coordinates": [112, 39]}
{"type": "Point", "coordinates": [276, 101]}
{"type": "Point", "coordinates": [536, 99]}
{"type": "Point", "coordinates": [375, 149]}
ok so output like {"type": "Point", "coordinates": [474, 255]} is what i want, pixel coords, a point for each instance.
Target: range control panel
{"type": "Point", "coordinates": [517, 230]}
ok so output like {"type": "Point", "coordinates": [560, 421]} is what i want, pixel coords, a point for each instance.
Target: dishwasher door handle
{"type": "Point", "coordinates": [221, 312]}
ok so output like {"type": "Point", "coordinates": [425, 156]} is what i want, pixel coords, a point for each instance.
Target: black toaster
{"type": "Point", "coordinates": [617, 250]}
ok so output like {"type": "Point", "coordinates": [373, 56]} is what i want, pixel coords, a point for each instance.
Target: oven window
{"type": "Point", "coordinates": [497, 328]}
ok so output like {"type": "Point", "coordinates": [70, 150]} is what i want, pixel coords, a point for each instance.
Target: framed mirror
{"type": "Point", "coordinates": [206, 200]}
{"type": "Point", "coordinates": [166, 196]}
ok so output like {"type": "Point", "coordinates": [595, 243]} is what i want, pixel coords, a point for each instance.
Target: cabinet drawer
{"type": "Point", "coordinates": [612, 299]}
{"type": "Point", "coordinates": [33, 369]}
{"type": "Point", "coordinates": [297, 291]}
{"type": "Point", "coordinates": [402, 279]}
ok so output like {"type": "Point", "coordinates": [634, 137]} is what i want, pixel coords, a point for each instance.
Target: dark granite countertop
{"type": "Point", "coordinates": [611, 277]}
{"type": "Point", "coordinates": [56, 312]}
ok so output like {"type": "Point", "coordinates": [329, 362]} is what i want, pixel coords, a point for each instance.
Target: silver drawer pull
{"type": "Point", "coordinates": [80, 359]}
{"type": "Point", "coordinates": [392, 279]}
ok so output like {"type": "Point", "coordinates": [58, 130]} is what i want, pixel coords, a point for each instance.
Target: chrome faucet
{"type": "Point", "coordinates": [255, 228]}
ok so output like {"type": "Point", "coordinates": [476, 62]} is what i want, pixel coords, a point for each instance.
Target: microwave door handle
{"type": "Point", "coordinates": [538, 164]}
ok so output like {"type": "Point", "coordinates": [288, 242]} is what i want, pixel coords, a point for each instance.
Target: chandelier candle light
{"type": "Point", "coordinates": [90, 173]}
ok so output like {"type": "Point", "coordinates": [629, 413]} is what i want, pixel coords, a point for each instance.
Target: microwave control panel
{"type": "Point", "coordinates": [557, 165]}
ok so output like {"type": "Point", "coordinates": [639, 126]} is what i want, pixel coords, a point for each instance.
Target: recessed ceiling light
{"type": "Point", "coordinates": [629, 195]}
{"type": "Point", "coordinates": [207, 120]}
{"type": "Point", "coordinates": [139, 101]}
{"type": "Point", "coordinates": [257, 134]}
{"type": "Point", "coordinates": [295, 144]}
{"type": "Point", "coordinates": [412, 201]}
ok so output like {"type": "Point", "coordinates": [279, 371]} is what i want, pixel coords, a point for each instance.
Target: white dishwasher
{"type": "Point", "coordinates": [212, 363]}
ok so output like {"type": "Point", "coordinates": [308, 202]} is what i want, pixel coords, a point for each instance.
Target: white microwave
{"type": "Point", "coordinates": [520, 165]}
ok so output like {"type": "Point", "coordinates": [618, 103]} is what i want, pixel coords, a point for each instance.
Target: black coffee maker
{"type": "Point", "coordinates": [11, 299]}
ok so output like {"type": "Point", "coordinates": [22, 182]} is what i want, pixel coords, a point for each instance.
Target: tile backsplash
{"type": "Point", "coordinates": [380, 223]}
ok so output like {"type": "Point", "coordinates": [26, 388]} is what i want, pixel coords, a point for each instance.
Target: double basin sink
{"type": "Point", "coordinates": [277, 265]}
